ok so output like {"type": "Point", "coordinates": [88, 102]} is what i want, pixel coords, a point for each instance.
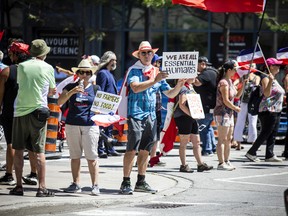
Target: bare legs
{"type": "Point", "coordinates": [9, 158]}
{"type": "Point", "coordinates": [142, 161]}
{"type": "Point", "coordinates": [224, 142]}
{"type": "Point", "coordinates": [195, 139]}
{"type": "Point", "coordinates": [93, 167]}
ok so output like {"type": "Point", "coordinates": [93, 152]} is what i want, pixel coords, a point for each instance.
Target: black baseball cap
{"type": "Point", "coordinates": [204, 59]}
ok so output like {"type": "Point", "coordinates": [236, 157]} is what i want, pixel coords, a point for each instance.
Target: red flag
{"type": "Point", "coordinates": [169, 131]}
{"type": "Point", "coordinates": [169, 137]}
{"type": "Point", "coordinates": [234, 6]}
{"type": "Point", "coordinates": [1, 34]}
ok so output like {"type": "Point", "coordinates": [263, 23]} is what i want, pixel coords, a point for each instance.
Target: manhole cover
{"type": "Point", "coordinates": [162, 205]}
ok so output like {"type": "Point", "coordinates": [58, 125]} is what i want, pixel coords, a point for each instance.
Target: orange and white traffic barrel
{"type": "Point", "coordinates": [121, 137]}
{"type": "Point", "coordinates": [52, 125]}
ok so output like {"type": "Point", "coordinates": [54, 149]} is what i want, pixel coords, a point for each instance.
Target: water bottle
{"type": "Point", "coordinates": [81, 85]}
{"type": "Point", "coordinates": [79, 97]}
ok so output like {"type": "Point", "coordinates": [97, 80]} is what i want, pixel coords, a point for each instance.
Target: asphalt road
{"type": "Point", "coordinates": [251, 189]}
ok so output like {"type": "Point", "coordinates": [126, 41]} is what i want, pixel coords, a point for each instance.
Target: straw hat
{"type": "Point", "coordinates": [39, 48]}
{"type": "Point", "coordinates": [84, 65]}
{"type": "Point", "coordinates": [144, 46]}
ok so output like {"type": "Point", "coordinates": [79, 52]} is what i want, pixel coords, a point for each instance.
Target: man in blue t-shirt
{"type": "Point", "coordinates": [143, 81]}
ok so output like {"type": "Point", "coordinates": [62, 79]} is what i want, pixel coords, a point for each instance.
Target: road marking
{"type": "Point", "coordinates": [234, 180]}
{"type": "Point", "coordinates": [182, 203]}
{"type": "Point", "coordinates": [108, 212]}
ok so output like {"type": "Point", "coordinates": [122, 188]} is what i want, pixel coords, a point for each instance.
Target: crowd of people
{"type": "Point", "coordinates": [28, 80]}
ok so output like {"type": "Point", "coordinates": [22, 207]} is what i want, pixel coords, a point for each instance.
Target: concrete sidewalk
{"type": "Point", "coordinates": [58, 177]}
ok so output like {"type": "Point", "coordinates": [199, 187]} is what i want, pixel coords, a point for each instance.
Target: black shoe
{"type": "Point", "coordinates": [144, 187]}
{"type": "Point", "coordinates": [115, 153]}
{"type": "Point", "coordinates": [203, 167]}
{"type": "Point", "coordinates": [17, 191]}
{"type": "Point", "coordinates": [7, 179]}
{"type": "Point", "coordinates": [185, 168]}
{"type": "Point", "coordinates": [103, 155]}
{"type": "Point", "coordinates": [126, 188]}
{"type": "Point", "coordinates": [30, 179]}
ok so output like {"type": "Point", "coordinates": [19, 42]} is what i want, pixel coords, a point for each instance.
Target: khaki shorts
{"type": "Point", "coordinates": [81, 138]}
{"type": "Point", "coordinates": [28, 132]}
{"type": "Point", "coordinates": [225, 121]}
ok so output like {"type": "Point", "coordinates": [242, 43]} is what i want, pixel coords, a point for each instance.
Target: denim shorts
{"type": "Point", "coordinates": [225, 121]}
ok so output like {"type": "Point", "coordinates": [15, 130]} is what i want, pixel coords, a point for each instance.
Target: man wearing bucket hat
{"type": "Point", "coordinates": [36, 81]}
{"type": "Point", "coordinates": [106, 81]}
{"type": "Point", "coordinates": [143, 81]}
{"type": "Point", "coordinates": [81, 131]}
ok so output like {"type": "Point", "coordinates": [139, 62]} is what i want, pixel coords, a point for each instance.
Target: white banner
{"type": "Point", "coordinates": [195, 106]}
{"type": "Point", "coordinates": [105, 102]}
{"type": "Point", "coordinates": [180, 65]}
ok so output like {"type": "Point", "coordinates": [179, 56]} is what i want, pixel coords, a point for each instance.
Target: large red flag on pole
{"type": "Point", "coordinates": [221, 6]}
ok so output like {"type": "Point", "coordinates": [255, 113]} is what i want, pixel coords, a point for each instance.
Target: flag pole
{"type": "Point", "coordinates": [258, 36]}
{"type": "Point", "coordinates": [255, 47]}
{"type": "Point", "coordinates": [264, 59]}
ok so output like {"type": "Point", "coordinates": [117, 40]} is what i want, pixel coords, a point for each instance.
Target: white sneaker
{"type": "Point", "coordinates": [229, 164]}
{"type": "Point", "coordinates": [252, 158]}
{"type": "Point", "coordinates": [95, 190]}
{"type": "Point", "coordinates": [274, 159]}
{"type": "Point", "coordinates": [224, 166]}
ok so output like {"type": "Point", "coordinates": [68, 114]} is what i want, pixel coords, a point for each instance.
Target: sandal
{"type": "Point", "coordinates": [43, 192]}
{"type": "Point", "coordinates": [17, 191]}
{"type": "Point", "coordinates": [239, 148]}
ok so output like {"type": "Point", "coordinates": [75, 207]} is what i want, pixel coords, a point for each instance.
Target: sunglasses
{"type": "Point", "coordinates": [88, 73]}
{"type": "Point", "coordinates": [149, 53]}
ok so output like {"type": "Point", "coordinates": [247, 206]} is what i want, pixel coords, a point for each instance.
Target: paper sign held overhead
{"type": "Point", "coordinates": [105, 103]}
{"type": "Point", "coordinates": [180, 65]}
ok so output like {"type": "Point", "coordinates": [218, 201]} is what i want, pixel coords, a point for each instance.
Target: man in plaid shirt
{"type": "Point", "coordinates": [143, 80]}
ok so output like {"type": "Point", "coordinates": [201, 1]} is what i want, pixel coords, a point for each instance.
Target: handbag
{"type": "Point", "coordinates": [254, 101]}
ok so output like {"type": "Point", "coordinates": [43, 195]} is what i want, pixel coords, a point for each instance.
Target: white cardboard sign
{"type": "Point", "coordinates": [195, 106]}
{"type": "Point", "coordinates": [180, 65]}
{"type": "Point", "coordinates": [105, 102]}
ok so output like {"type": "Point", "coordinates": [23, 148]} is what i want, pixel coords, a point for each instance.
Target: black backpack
{"type": "Point", "coordinates": [254, 101]}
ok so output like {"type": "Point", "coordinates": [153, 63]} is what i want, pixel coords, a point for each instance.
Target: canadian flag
{"type": "Point", "coordinates": [282, 55]}
{"type": "Point", "coordinates": [245, 56]}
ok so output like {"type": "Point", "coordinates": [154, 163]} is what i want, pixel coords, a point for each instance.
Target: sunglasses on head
{"type": "Point", "coordinates": [149, 53]}
{"type": "Point", "coordinates": [88, 73]}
